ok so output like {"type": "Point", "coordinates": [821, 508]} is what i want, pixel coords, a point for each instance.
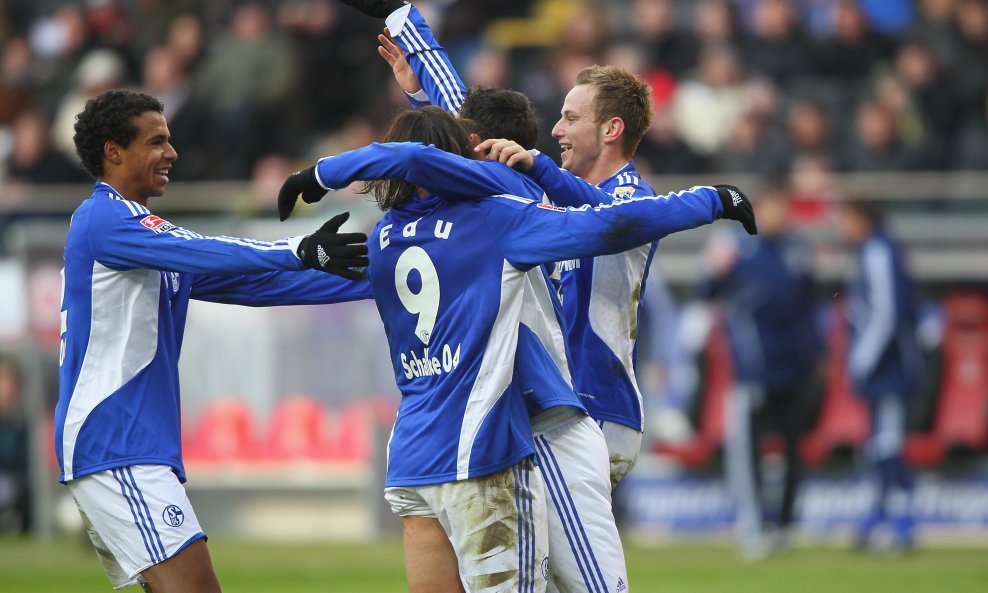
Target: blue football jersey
{"type": "Point", "coordinates": [602, 296]}
{"type": "Point", "coordinates": [601, 299]}
{"type": "Point", "coordinates": [448, 278]}
{"type": "Point", "coordinates": [127, 281]}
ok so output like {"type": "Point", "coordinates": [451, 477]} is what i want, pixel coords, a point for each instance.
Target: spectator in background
{"type": "Point", "coordinates": [885, 363]}
{"type": "Point", "coordinates": [972, 151]}
{"type": "Point", "coordinates": [764, 286]}
{"type": "Point", "coordinates": [99, 70]}
{"type": "Point", "coordinates": [165, 76]}
{"type": "Point", "coordinates": [971, 70]}
{"type": "Point", "coordinates": [654, 29]}
{"type": "Point", "coordinates": [850, 55]}
{"type": "Point", "coordinates": [706, 108]}
{"type": "Point", "coordinates": [934, 28]}
{"type": "Point", "coordinates": [34, 160]}
{"type": "Point", "coordinates": [876, 145]}
{"type": "Point", "coordinates": [246, 81]}
{"type": "Point", "coordinates": [15, 500]}
{"type": "Point", "coordinates": [663, 152]}
{"type": "Point", "coordinates": [809, 133]}
{"type": "Point", "coordinates": [777, 47]}
{"type": "Point", "coordinates": [747, 146]}
{"type": "Point", "coordinates": [932, 96]}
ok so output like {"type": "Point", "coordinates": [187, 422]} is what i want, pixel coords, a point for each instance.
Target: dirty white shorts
{"type": "Point", "coordinates": [496, 524]}
{"type": "Point", "coordinates": [136, 517]}
{"type": "Point", "coordinates": [624, 444]}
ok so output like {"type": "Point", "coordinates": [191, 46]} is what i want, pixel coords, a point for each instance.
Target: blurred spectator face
{"type": "Point", "coordinates": [718, 67]}
{"type": "Point", "coordinates": [936, 10]}
{"type": "Point", "coordinates": [584, 33]}
{"type": "Point", "coordinates": [30, 138]}
{"type": "Point", "coordinates": [653, 19]}
{"type": "Point", "coordinates": [915, 65]}
{"type": "Point", "coordinates": [746, 135]}
{"type": "Point", "coordinates": [875, 125]}
{"type": "Point", "coordinates": [162, 70]}
{"type": "Point", "coordinates": [488, 67]}
{"type": "Point", "coordinates": [807, 126]}
{"type": "Point", "coordinates": [714, 22]}
{"type": "Point", "coordinates": [185, 38]}
{"type": "Point", "coordinates": [627, 56]}
{"type": "Point", "coordinates": [15, 60]}
{"type": "Point", "coordinates": [99, 70]}
{"type": "Point", "coordinates": [10, 389]}
{"type": "Point", "coordinates": [972, 19]}
{"type": "Point", "coordinates": [580, 137]}
{"type": "Point", "coordinates": [772, 213]}
{"type": "Point", "coordinates": [850, 24]}
{"type": "Point", "coordinates": [854, 228]}
{"type": "Point", "coordinates": [773, 19]}
{"type": "Point", "coordinates": [249, 23]}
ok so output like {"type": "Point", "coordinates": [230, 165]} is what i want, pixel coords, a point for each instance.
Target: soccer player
{"type": "Point", "coordinates": [127, 281]}
{"type": "Point", "coordinates": [516, 244]}
{"type": "Point", "coordinates": [603, 119]}
{"type": "Point", "coordinates": [885, 363]}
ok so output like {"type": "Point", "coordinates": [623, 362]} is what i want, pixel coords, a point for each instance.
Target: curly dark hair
{"type": "Point", "coordinates": [109, 116]}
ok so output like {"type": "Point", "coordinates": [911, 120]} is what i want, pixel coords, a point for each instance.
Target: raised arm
{"type": "Point", "coordinates": [428, 60]}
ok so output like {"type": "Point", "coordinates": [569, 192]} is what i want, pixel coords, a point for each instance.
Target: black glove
{"type": "Point", "coordinates": [737, 207]}
{"type": "Point", "coordinates": [300, 182]}
{"type": "Point", "coordinates": [336, 253]}
{"type": "Point", "coordinates": [378, 9]}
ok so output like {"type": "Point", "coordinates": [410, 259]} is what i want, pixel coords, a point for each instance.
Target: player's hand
{"type": "Point", "coordinates": [394, 55]}
{"type": "Point", "coordinates": [508, 152]}
{"type": "Point", "coordinates": [378, 9]}
{"type": "Point", "coordinates": [331, 251]}
{"type": "Point", "coordinates": [737, 207]}
{"type": "Point", "coordinates": [302, 183]}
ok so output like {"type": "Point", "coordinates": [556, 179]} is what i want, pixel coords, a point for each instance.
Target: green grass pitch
{"type": "Point", "coordinates": [68, 565]}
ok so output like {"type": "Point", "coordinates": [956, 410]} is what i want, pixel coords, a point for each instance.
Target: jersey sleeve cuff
{"type": "Point", "coordinates": [319, 180]}
{"type": "Point", "coordinates": [395, 22]}
{"type": "Point", "coordinates": [294, 242]}
{"type": "Point", "coordinates": [420, 95]}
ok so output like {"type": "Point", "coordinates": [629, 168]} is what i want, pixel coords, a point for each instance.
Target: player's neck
{"type": "Point", "coordinates": [605, 167]}
{"type": "Point", "coordinates": [125, 189]}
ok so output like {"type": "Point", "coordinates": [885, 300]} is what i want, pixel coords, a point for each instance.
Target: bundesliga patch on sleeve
{"type": "Point", "coordinates": [626, 191]}
{"type": "Point", "coordinates": [545, 206]}
{"type": "Point", "coordinates": [157, 224]}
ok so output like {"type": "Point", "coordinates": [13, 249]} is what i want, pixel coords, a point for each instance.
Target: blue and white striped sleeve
{"type": "Point", "coordinates": [427, 59]}
{"type": "Point", "coordinates": [532, 233]}
{"type": "Point", "coordinates": [125, 235]}
{"type": "Point", "coordinates": [879, 323]}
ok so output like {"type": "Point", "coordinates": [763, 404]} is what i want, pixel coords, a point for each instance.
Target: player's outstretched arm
{"type": "Point", "coordinates": [562, 187]}
{"type": "Point", "coordinates": [125, 236]}
{"type": "Point", "coordinates": [448, 175]}
{"type": "Point", "coordinates": [307, 287]}
{"type": "Point", "coordinates": [532, 233]}
{"type": "Point", "coordinates": [333, 252]}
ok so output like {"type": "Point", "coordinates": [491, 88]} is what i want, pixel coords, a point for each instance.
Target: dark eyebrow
{"type": "Point", "coordinates": [159, 138]}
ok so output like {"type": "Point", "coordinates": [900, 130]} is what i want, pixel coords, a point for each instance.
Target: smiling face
{"type": "Point", "coordinates": [580, 137]}
{"type": "Point", "coordinates": [140, 170]}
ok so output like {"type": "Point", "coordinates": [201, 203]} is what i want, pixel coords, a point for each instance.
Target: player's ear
{"type": "Point", "coordinates": [613, 129]}
{"type": "Point", "coordinates": [475, 139]}
{"type": "Point", "coordinates": [112, 152]}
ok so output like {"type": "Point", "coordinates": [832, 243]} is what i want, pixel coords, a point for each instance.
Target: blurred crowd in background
{"type": "Point", "coordinates": [787, 89]}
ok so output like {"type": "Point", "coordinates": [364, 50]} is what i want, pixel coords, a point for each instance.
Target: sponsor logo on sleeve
{"type": "Point", "coordinates": [626, 191]}
{"type": "Point", "coordinates": [157, 224]}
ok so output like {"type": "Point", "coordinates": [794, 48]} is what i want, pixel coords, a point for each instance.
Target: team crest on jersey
{"type": "Point", "coordinates": [624, 192]}
{"type": "Point", "coordinates": [550, 207]}
{"type": "Point", "coordinates": [157, 224]}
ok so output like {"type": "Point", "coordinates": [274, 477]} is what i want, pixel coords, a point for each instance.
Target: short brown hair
{"type": "Point", "coordinates": [620, 93]}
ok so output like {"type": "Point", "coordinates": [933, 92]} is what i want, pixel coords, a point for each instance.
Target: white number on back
{"type": "Point", "coordinates": [425, 302]}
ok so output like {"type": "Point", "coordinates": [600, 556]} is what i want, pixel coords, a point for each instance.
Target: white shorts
{"type": "Point", "coordinates": [584, 544]}
{"type": "Point", "coordinates": [136, 516]}
{"type": "Point", "coordinates": [496, 523]}
{"type": "Point", "coordinates": [623, 447]}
